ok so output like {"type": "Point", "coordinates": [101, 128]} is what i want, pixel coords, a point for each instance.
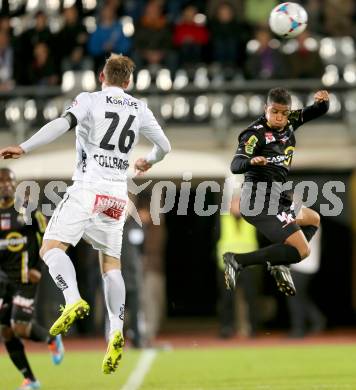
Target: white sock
{"type": "Point", "coordinates": [62, 271]}
{"type": "Point", "coordinates": [114, 291]}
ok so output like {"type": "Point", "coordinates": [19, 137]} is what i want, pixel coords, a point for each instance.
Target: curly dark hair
{"type": "Point", "coordinates": [280, 96]}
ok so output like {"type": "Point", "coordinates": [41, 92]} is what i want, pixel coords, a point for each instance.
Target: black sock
{"type": "Point", "coordinates": [309, 231]}
{"type": "Point", "coordinates": [275, 254]}
{"type": "Point", "coordinates": [16, 351]}
{"type": "Point", "coordinates": [38, 333]}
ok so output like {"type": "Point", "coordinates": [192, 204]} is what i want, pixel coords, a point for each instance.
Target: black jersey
{"type": "Point", "coordinates": [20, 243]}
{"type": "Point", "coordinates": [276, 145]}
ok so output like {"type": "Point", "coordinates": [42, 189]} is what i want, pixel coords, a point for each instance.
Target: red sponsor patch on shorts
{"type": "Point", "coordinates": [109, 205]}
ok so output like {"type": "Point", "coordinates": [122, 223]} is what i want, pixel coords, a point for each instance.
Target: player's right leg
{"type": "Point", "coordinates": [65, 228]}
{"type": "Point", "coordinates": [63, 273]}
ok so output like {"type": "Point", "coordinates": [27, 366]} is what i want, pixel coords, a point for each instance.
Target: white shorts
{"type": "Point", "coordinates": [94, 213]}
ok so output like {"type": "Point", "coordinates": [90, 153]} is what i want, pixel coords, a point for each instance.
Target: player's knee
{"type": "Point", "coordinates": [48, 245]}
{"type": "Point", "coordinates": [20, 329]}
{"type": "Point", "coordinates": [314, 218]}
{"type": "Point", "coordinates": [304, 251]}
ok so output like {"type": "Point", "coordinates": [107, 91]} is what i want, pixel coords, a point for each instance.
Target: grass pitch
{"type": "Point", "coordinates": [247, 368]}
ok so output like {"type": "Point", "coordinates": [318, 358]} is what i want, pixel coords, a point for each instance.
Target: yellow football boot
{"type": "Point", "coordinates": [70, 313]}
{"type": "Point", "coordinates": [113, 353]}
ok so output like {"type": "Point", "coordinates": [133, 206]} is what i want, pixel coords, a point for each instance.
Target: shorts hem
{"type": "Point", "coordinates": [60, 238]}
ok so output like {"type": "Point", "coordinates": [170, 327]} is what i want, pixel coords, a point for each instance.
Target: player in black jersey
{"type": "Point", "coordinates": [264, 155]}
{"type": "Point", "coordinates": [20, 271]}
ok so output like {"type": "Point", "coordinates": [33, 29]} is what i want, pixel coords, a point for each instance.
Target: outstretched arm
{"type": "Point", "coordinates": [44, 136]}
{"type": "Point", "coordinates": [320, 107]}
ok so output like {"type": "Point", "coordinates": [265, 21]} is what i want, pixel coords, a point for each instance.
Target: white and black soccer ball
{"type": "Point", "coordinates": [288, 20]}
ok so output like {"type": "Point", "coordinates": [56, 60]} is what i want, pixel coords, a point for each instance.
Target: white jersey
{"type": "Point", "coordinates": [109, 125]}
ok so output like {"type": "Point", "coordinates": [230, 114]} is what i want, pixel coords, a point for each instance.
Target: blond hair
{"type": "Point", "coordinates": [118, 69]}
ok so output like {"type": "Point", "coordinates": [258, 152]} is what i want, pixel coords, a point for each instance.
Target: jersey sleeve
{"type": "Point", "coordinates": [80, 106]}
{"type": "Point", "coordinates": [151, 130]}
{"type": "Point", "coordinates": [249, 145]}
{"type": "Point", "coordinates": [306, 114]}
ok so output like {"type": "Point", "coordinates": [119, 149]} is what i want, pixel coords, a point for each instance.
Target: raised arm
{"type": "Point", "coordinates": [317, 109]}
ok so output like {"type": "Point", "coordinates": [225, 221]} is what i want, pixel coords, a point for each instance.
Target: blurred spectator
{"type": "Point", "coordinates": [42, 70]}
{"type": "Point", "coordinates": [73, 33]}
{"type": "Point", "coordinates": [338, 17]}
{"type": "Point", "coordinates": [40, 33]}
{"type": "Point", "coordinates": [190, 37]}
{"type": "Point", "coordinates": [236, 235]}
{"type": "Point", "coordinates": [5, 25]}
{"type": "Point", "coordinates": [228, 36]}
{"type": "Point", "coordinates": [108, 37]}
{"type": "Point", "coordinates": [305, 62]}
{"type": "Point", "coordinates": [153, 38]}
{"type": "Point", "coordinates": [265, 62]}
{"type": "Point", "coordinates": [305, 316]}
{"type": "Point", "coordinates": [315, 15]}
{"type": "Point", "coordinates": [236, 5]}
{"type": "Point", "coordinates": [6, 62]}
{"type": "Point", "coordinates": [132, 272]}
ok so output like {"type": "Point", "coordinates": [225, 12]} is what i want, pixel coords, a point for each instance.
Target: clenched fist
{"type": "Point", "coordinates": [321, 96]}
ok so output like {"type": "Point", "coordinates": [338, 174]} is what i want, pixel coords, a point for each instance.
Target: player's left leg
{"type": "Point", "coordinates": [13, 344]}
{"type": "Point", "coordinates": [114, 291]}
{"type": "Point", "coordinates": [290, 246]}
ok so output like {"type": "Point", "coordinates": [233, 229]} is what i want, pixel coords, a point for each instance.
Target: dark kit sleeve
{"type": "Point", "coordinates": [248, 146]}
{"type": "Point", "coordinates": [299, 117]}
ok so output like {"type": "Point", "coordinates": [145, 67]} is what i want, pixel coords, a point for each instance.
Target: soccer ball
{"type": "Point", "coordinates": [288, 20]}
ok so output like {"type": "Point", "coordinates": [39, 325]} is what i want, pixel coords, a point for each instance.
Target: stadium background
{"type": "Point", "coordinates": [205, 78]}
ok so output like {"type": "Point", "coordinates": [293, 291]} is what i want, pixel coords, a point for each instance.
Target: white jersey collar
{"type": "Point", "coordinates": [112, 88]}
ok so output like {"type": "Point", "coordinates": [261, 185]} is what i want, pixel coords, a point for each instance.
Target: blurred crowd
{"type": "Point", "coordinates": [38, 46]}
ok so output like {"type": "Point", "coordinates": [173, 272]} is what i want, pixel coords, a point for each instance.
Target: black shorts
{"type": "Point", "coordinates": [274, 217]}
{"type": "Point", "coordinates": [16, 302]}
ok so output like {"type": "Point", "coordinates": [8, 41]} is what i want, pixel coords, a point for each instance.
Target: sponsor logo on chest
{"type": "Point", "coordinates": [121, 101]}
{"type": "Point", "coordinates": [269, 137]}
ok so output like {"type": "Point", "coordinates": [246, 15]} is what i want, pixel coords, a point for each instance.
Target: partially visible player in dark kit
{"type": "Point", "coordinates": [264, 155]}
{"type": "Point", "coordinates": [20, 271]}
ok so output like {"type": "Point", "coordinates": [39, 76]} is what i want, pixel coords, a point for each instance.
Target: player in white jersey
{"type": "Point", "coordinates": [108, 124]}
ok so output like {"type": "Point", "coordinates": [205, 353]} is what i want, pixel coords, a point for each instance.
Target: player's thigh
{"type": "Point", "coordinates": [23, 304]}
{"type": "Point", "coordinates": [272, 227]}
{"type": "Point", "coordinates": [307, 217]}
{"type": "Point", "coordinates": [105, 234]}
{"type": "Point", "coordinates": [72, 214]}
